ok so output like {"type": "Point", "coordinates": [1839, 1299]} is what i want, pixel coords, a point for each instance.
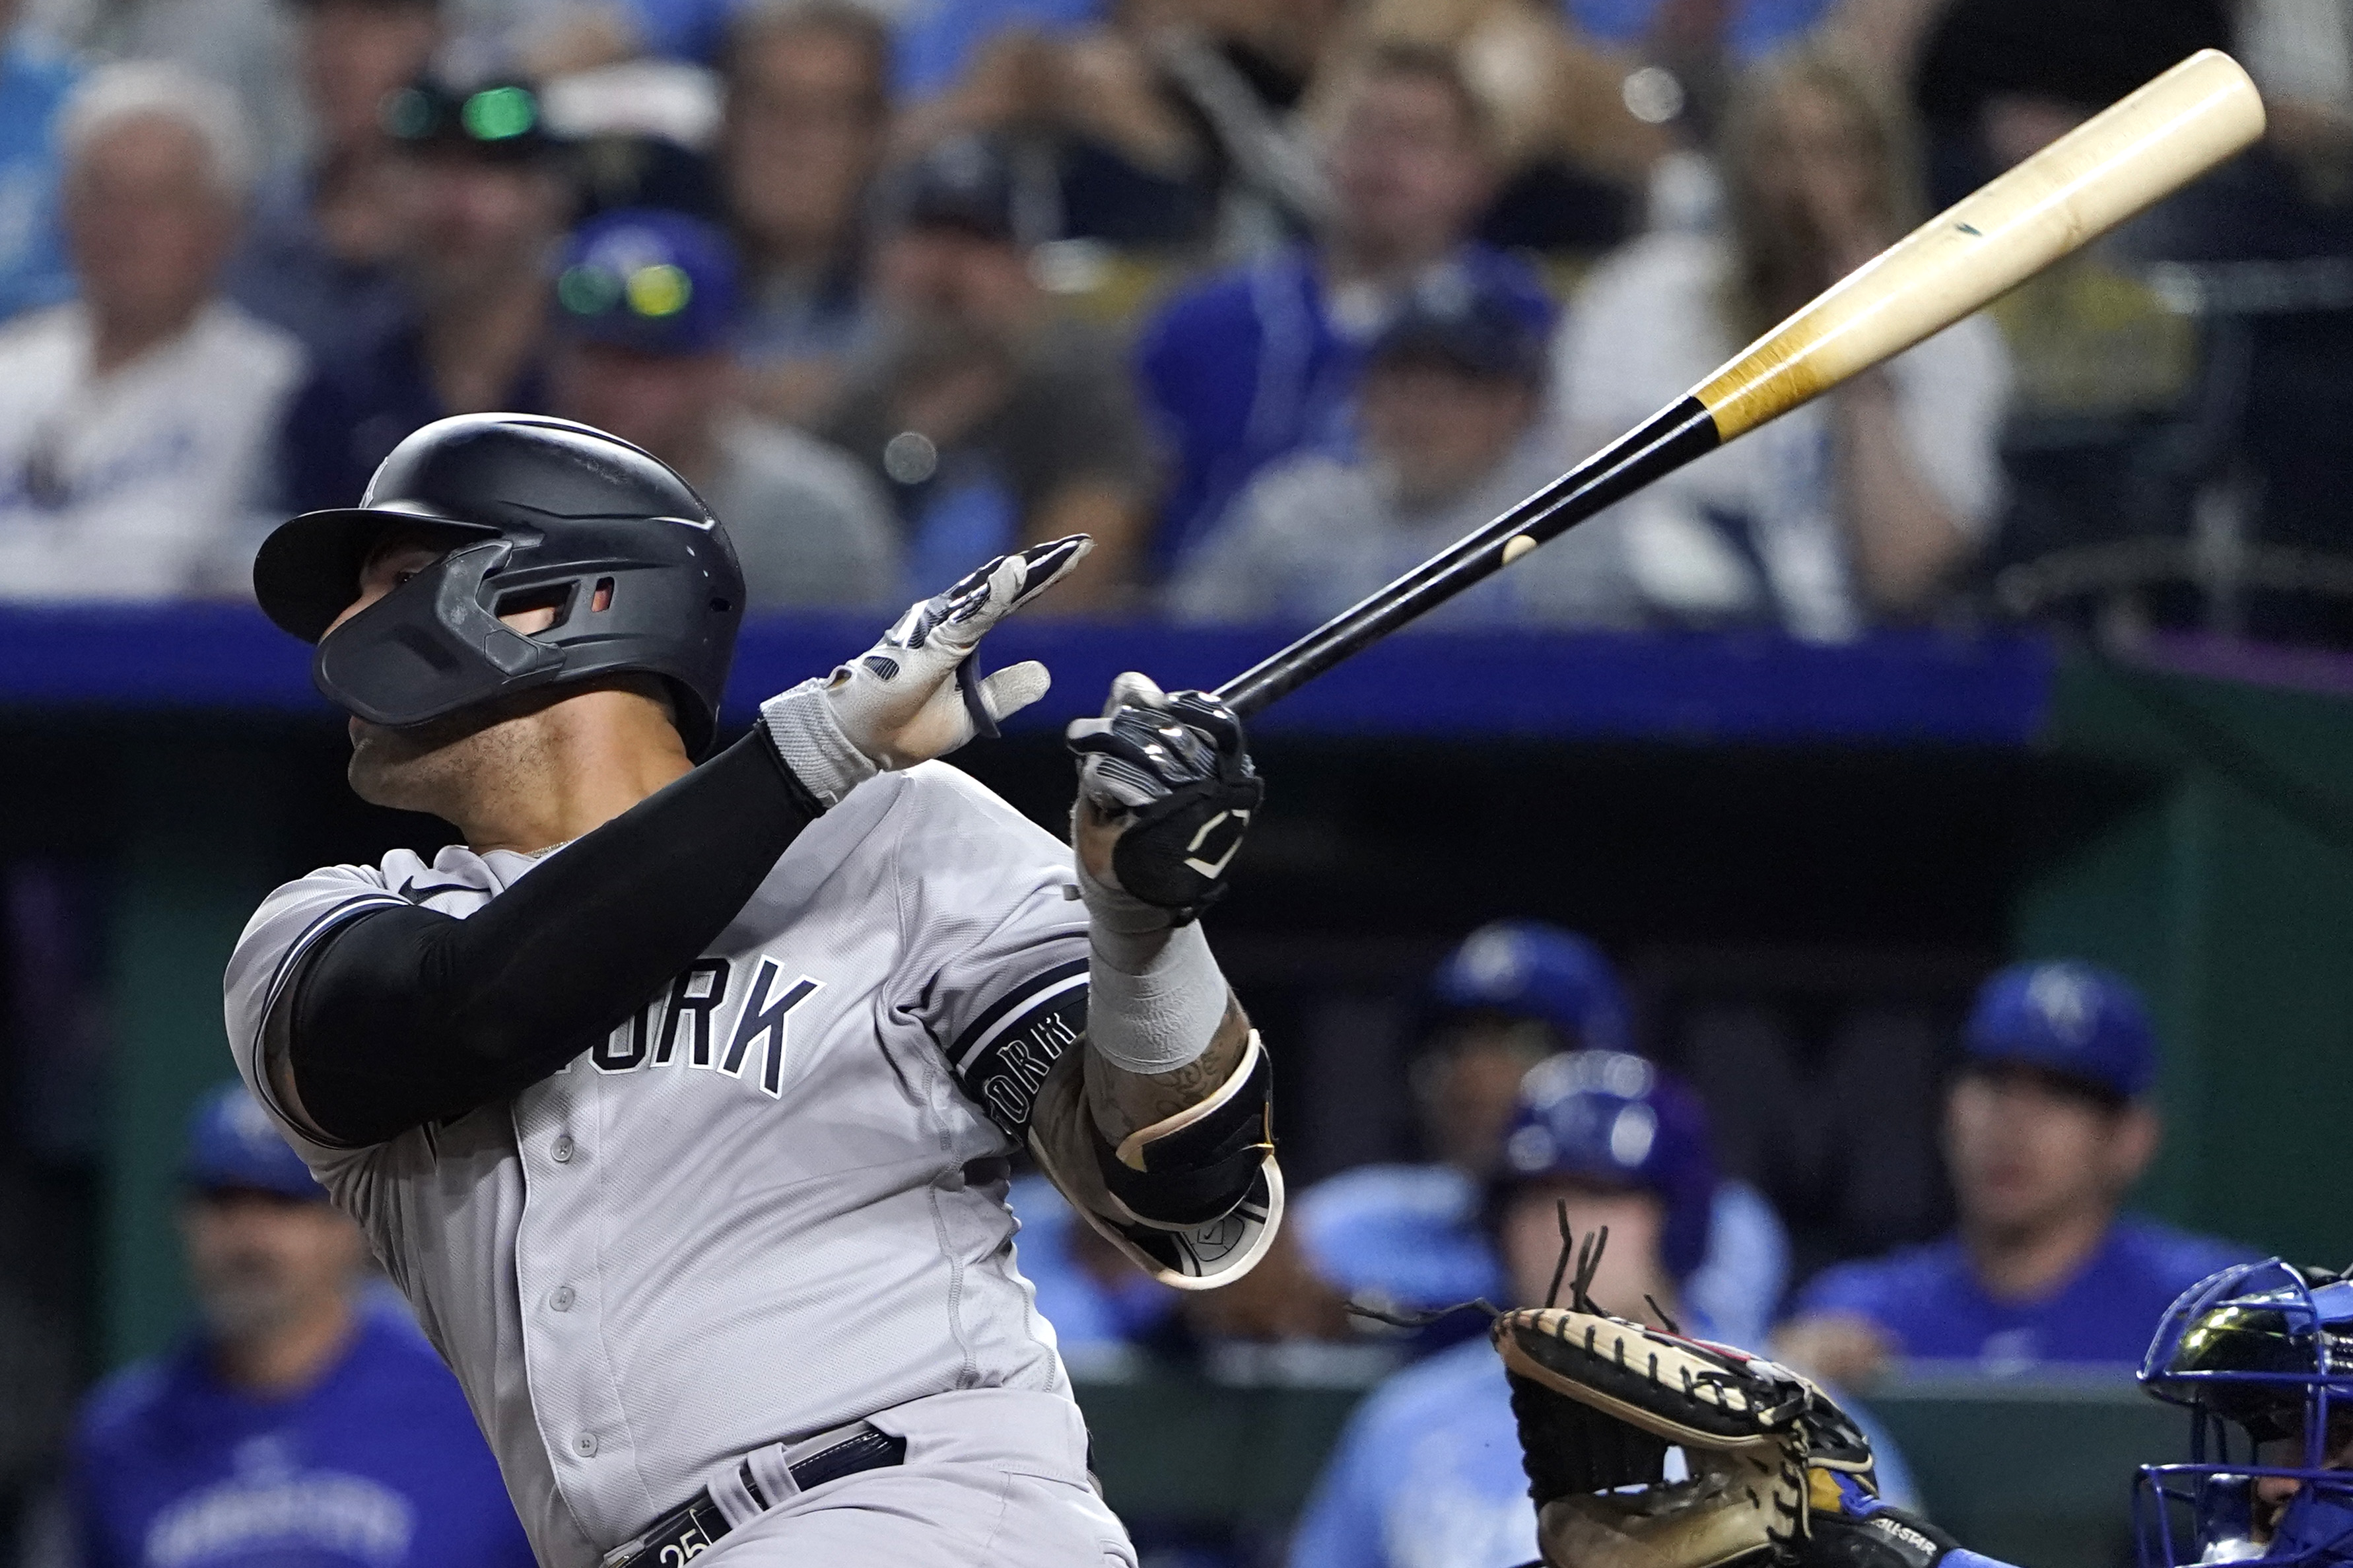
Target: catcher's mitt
{"type": "Point", "coordinates": [1601, 1400]}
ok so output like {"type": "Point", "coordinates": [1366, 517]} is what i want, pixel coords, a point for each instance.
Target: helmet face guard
{"type": "Point", "coordinates": [431, 647]}
{"type": "Point", "coordinates": [535, 515]}
{"type": "Point", "coordinates": [2261, 1357]}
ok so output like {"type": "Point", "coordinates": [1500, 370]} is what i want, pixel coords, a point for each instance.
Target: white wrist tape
{"type": "Point", "coordinates": [809, 735]}
{"type": "Point", "coordinates": [1162, 1016]}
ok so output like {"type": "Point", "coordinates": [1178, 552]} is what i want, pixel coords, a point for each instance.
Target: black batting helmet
{"type": "Point", "coordinates": [536, 513]}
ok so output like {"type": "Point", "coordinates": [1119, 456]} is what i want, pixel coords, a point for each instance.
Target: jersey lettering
{"type": "Point", "coordinates": [624, 1049]}
{"type": "Point", "coordinates": [690, 1005]}
{"type": "Point", "coordinates": [1009, 1050]}
{"type": "Point", "coordinates": [760, 1017]}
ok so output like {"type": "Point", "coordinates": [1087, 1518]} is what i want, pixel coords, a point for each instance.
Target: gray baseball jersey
{"type": "Point", "coordinates": [769, 1204]}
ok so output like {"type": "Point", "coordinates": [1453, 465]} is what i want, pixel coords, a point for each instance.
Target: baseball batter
{"type": "Point", "coordinates": [678, 1099]}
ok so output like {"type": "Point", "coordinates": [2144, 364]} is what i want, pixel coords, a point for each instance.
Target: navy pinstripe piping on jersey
{"type": "Point", "coordinates": [310, 936]}
{"type": "Point", "coordinates": [312, 932]}
{"type": "Point", "coordinates": [1012, 1008]}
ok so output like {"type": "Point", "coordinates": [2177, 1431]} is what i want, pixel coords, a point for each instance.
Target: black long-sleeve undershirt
{"type": "Point", "coordinates": [403, 1017]}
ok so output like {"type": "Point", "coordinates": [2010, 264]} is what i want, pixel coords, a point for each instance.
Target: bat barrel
{"type": "Point", "coordinates": [1666, 442]}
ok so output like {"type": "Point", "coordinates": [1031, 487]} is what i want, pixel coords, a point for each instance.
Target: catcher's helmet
{"type": "Point", "coordinates": [1531, 970]}
{"type": "Point", "coordinates": [534, 512]}
{"type": "Point", "coordinates": [1615, 1120]}
{"type": "Point", "coordinates": [2266, 1349]}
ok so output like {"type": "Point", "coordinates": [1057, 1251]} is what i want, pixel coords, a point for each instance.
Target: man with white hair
{"type": "Point", "coordinates": [135, 422]}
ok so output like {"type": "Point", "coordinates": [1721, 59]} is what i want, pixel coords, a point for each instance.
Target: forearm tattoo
{"type": "Point", "coordinates": [1123, 1101]}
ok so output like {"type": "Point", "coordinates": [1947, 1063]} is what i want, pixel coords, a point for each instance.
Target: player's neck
{"type": "Point", "coordinates": [290, 1358]}
{"type": "Point", "coordinates": [2022, 1262]}
{"type": "Point", "coordinates": [586, 760]}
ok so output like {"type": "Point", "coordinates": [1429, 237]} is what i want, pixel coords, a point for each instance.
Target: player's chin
{"type": "Point", "coordinates": [392, 767]}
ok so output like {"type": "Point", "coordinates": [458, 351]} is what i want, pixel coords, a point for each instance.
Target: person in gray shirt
{"type": "Point", "coordinates": [646, 305]}
{"type": "Point", "coordinates": [1452, 427]}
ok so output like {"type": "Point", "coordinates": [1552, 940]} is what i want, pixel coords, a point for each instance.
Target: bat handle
{"type": "Point", "coordinates": [1671, 437]}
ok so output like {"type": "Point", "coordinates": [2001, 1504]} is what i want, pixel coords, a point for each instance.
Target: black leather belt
{"type": "Point", "coordinates": [690, 1529]}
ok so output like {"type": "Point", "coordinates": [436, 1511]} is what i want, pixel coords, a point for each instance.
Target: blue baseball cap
{"type": "Point", "coordinates": [1471, 326]}
{"type": "Point", "coordinates": [1538, 971]}
{"type": "Point", "coordinates": [1614, 1120]}
{"type": "Point", "coordinates": [2073, 1019]}
{"type": "Point", "coordinates": [645, 278]}
{"type": "Point", "coordinates": [232, 1142]}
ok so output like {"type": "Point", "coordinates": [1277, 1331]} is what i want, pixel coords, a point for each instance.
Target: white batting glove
{"type": "Point", "coordinates": [915, 696]}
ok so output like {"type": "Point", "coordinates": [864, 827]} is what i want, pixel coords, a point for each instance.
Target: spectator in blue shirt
{"type": "Point", "coordinates": [35, 80]}
{"type": "Point", "coordinates": [1250, 366]}
{"type": "Point", "coordinates": [1428, 1473]}
{"type": "Point", "coordinates": [490, 206]}
{"type": "Point", "coordinates": [2046, 1128]}
{"type": "Point", "coordinates": [1412, 1236]}
{"type": "Point", "coordinates": [303, 1423]}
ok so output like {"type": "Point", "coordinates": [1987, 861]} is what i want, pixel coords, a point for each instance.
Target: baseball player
{"type": "Point", "coordinates": [2047, 1125]}
{"type": "Point", "coordinates": [304, 1421]}
{"type": "Point", "coordinates": [1427, 1472]}
{"type": "Point", "coordinates": [1412, 1236]}
{"type": "Point", "coordinates": [678, 1099]}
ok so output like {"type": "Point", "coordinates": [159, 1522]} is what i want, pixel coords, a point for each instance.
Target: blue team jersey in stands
{"type": "Point", "coordinates": [1928, 1298]}
{"type": "Point", "coordinates": [1250, 366]}
{"type": "Point", "coordinates": [1428, 1475]}
{"type": "Point", "coordinates": [1412, 1236]}
{"type": "Point", "coordinates": [378, 1465]}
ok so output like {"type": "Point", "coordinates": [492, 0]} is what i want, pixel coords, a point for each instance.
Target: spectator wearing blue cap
{"type": "Point", "coordinates": [1253, 364]}
{"type": "Point", "coordinates": [645, 308]}
{"type": "Point", "coordinates": [1449, 418]}
{"type": "Point", "coordinates": [1428, 1473]}
{"type": "Point", "coordinates": [994, 421]}
{"type": "Point", "coordinates": [1416, 1237]}
{"type": "Point", "coordinates": [303, 1422]}
{"type": "Point", "coordinates": [2046, 1127]}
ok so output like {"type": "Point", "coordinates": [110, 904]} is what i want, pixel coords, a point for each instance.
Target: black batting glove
{"type": "Point", "coordinates": [1174, 767]}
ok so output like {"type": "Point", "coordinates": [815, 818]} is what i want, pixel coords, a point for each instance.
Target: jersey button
{"type": "Point", "coordinates": [562, 1151]}
{"type": "Point", "coordinates": [585, 1445]}
{"type": "Point", "coordinates": [561, 1298]}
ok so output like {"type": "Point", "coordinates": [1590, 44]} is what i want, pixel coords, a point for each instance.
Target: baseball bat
{"type": "Point", "coordinates": [2142, 148]}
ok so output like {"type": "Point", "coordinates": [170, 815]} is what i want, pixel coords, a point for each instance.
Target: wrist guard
{"type": "Point", "coordinates": [1193, 1201]}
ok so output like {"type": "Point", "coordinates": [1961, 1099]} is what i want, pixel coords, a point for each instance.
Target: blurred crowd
{"type": "Point", "coordinates": [1273, 297]}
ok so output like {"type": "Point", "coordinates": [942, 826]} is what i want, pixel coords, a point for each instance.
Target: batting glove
{"type": "Point", "coordinates": [1173, 767]}
{"type": "Point", "coordinates": [914, 695]}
